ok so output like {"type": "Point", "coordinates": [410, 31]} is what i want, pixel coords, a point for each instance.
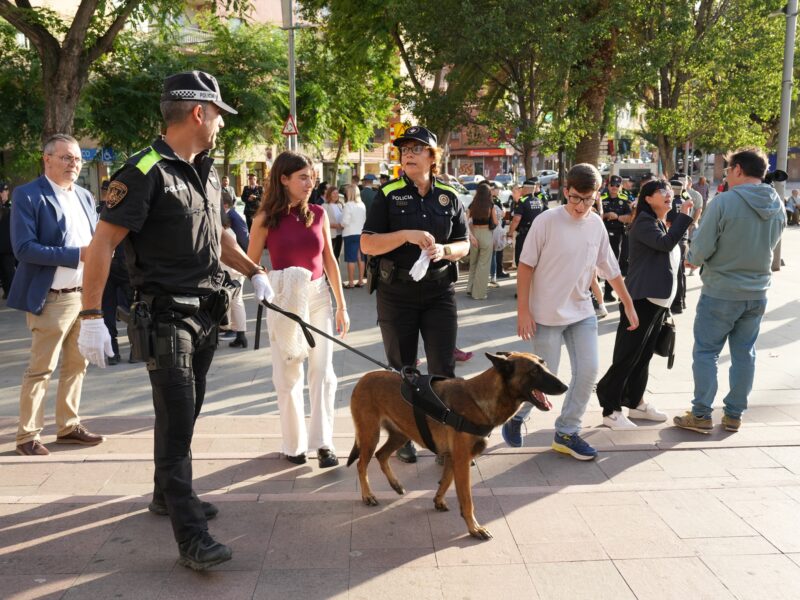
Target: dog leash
{"type": "Point", "coordinates": [305, 327]}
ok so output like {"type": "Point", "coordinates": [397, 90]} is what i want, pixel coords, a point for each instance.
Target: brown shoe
{"type": "Point", "coordinates": [32, 448]}
{"type": "Point", "coordinates": [81, 435]}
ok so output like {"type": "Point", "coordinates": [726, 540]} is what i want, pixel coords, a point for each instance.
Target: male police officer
{"type": "Point", "coordinates": [530, 205]}
{"type": "Point", "coordinates": [165, 204]}
{"type": "Point", "coordinates": [616, 214]}
{"type": "Point", "coordinates": [680, 196]}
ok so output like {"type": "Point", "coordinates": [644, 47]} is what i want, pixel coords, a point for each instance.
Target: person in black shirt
{"type": "Point", "coordinates": [617, 213]}
{"type": "Point", "coordinates": [530, 206]}
{"type": "Point", "coordinates": [251, 196]}
{"type": "Point", "coordinates": [165, 204]}
{"type": "Point", "coordinates": [413, 216]}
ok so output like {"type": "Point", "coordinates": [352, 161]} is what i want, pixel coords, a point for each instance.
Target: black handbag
{"type": "Point", "coordinates": [665, 342]}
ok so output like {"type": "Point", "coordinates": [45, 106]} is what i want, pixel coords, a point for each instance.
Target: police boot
{"type": "Point", "coordinates": [408, 453]}
{"type": "Point", "coordinates": [240, 341]}
{"type": "Point", "coordinates": [202, 552]}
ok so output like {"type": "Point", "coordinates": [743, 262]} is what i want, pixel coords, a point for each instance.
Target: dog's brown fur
{"type": "Point", "coordinates": [490, 398]}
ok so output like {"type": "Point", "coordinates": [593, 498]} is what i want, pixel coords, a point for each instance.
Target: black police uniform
{"type": "Point", "coordinates": [529, 207]}
{"type": "Point", "coordinates": [620, 205]}
{"type": "Point", "coordinates": [679, 303]}
{"type": "Point", "coordinates": [251, 205]}
{"type": "Point", "coordinates": [172, 209]}
{"type": "Point", "coordinates": [406, 307]}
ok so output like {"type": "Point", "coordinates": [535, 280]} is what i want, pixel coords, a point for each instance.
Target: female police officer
{"type": "Point", "coordinates": [411, 215]}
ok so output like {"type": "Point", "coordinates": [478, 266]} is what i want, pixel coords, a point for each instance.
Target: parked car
{"type": "Point", "coordinates": [465, 179]}
{"type": "Point", "coordinates": [506, 179]}
{"type": "Point", "coordinates": [546, 176]}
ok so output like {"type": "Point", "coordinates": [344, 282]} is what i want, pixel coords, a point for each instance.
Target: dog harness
{"type": "Point", "coordinates": [417, 390]}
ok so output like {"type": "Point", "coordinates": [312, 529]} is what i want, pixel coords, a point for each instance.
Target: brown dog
{"type": "Point", "coordinates": [490, 398]}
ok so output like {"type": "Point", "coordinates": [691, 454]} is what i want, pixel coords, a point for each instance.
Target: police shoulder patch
{"type": "Point", "coordinates": [444, 199]}
{"type": "Point", "coordinates": [116, 193]}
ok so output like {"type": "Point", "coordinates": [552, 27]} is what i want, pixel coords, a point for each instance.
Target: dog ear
{"type": "Point", "coordinates": [501, 363]}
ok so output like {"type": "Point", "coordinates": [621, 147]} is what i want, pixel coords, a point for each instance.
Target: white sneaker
{"type": "Point", "coordinates": [601, 311]}
{"type": "Point", "coordinates": [648, 412]}
{"type": "Point", "coordinates": [617, 420]}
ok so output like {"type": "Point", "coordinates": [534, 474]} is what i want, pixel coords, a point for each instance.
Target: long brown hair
{"type": "Point", "coordinates": [275, 204]}
{"type": "Point", "coordinates": [482, 206]}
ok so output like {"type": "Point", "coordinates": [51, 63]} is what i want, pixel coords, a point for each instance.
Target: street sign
{"type": "Point", "coordinates": [289, 127]}
{"type": "Point", "coordinates": [108, 154]}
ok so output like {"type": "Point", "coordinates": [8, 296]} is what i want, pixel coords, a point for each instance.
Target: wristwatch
{"type": "Point", "coordinates": [447, 251]}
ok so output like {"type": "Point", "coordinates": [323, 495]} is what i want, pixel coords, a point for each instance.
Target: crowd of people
{"type": "Point", "coordinates": [171, 224]}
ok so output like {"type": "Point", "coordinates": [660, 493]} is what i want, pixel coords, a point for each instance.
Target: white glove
{"type": "Point", "coordinates": [94, 341]}
{"type": "Point", "coordinates": [262, 287]}
{"type": "Point", "coordinates": [421, 266]}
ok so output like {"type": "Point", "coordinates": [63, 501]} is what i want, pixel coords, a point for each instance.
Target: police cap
{"type": "Point", "coordinates": [615, 180]}
{"type": "Point", "coordinates": [418, 134]}
{"type": "Point", "coordinates": [194, 85]}
{"type": "Point", "coordinates": [676, 182]}
{"type": "Point", "coordinates": [530, 182]}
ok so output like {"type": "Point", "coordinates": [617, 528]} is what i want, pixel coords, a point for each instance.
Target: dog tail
{"type": "Point", "coordinates": [353, 454]}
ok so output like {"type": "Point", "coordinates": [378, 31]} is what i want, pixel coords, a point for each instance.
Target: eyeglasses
{"type": "Point", "coordinates": [664, 192]}
{"type": "Point", "coordinates": [416, 149]}
{"type": "Point", "coordinates": [575, 199]}
{"type": "Point", "coordinates": [68, 159]}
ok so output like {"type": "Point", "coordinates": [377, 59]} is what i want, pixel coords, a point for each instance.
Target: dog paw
{"type": "Point", "coordinates": [370, 500]}
{"type": "Point", "coordinates": [481, 533]}
{"type": "Point", "coordinates": [441, 505]}
{"type": "Point", "coordinates": [398, 488]}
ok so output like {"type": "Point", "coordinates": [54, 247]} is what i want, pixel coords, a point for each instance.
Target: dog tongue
{"type": "Point", "coordinates": [541, 401]}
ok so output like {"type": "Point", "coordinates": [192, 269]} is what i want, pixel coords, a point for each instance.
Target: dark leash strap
{"type": "Point", "coordinates": [305, 327]}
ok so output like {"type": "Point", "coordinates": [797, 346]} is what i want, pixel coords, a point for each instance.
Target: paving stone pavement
{"type": "Point", "coordinates": [661, 514]}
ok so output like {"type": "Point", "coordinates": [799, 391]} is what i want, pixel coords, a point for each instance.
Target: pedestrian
{"type": "Point", "coordinates": [354, 215]}
{"type": "Point", "coordinates": [228, 193]}
{"type": "Point", "coordinates": [652, 283]}
{"type": "Point", "coordinates": [530, 205]}
{"type": "Point", "coordinates": [237, 313]}
{"type": "Point", "coordinates": [298, 238]}
{"type": "Point", "coordinates": [52, 221]}
{"type": "Point", "coordinates": [318, 194]}
{"type": "Point", "coordinates": [414, 217]}
{"type": "Point", "coordinates": [617, 214]}
{"type": "Point", "coordinates": [8, 263]}
{"type": "Point", "coordinates": [333, 208]}
{"type": "Point", "coordinates": [251, 196]}
{"type": "Point", "coordinates": [482, 221]}
{"type": "Point", "coordinates": [368, 191]}
{"type": "Point", "coordinates": [561, 253]}
{"type": "Point", "coordinates": [733, 245]}
{"type": "Point", "coordinates": [680, 195]}
{"type": "Point", "coordinates": [793, 207]}
{"type": "Point", "coordinates": [496, 270]}
{"type": "Point", "coordinates": [165, 202]}
{"type": "Point", "coordinates": [702, 188]}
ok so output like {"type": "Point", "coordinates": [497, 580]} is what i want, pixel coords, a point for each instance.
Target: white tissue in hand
{"type": "Point", "coordinates": [421, 266]}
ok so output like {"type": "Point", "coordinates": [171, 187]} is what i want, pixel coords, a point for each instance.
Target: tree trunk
{"type": "Point", "coordinates": [527, 156]}
{"type": "Point", "coordinates": [337, 158]}
{"type": "Point", "coordinates": [665, 148]}
{"type": "Point", "coordinates": [588, 148]}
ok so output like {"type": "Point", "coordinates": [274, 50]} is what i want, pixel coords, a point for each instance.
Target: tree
{"type": "Point", "coordinates": [342, 95]}
{"type": "Point", "coordinates": [67, 52]}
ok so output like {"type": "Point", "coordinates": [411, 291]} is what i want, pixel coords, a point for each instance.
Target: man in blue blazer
{"type": "Point", "coordinates": [52, 223]}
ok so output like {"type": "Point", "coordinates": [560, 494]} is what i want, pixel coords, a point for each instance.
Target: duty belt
{"type": "Point", "coordinates": [417, 390]}
{"type": "Point", "coordinates": [431, 275]}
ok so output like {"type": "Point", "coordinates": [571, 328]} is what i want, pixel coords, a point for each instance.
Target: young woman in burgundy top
{"type": "Point", "coordinates": [297, 234]}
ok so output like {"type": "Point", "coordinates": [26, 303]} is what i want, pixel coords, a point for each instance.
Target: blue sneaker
{"type": "Point", "coordinates": [512, 433]}
{"type": "Point", "coordinates": [573, 445]}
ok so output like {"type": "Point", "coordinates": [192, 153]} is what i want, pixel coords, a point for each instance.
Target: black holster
{"type": "Point", "coordinates": [140, 327]}
{"type": "Point", "coordinates": [372, 274]}
{"type": "Point", "coordinates": [386, 270]}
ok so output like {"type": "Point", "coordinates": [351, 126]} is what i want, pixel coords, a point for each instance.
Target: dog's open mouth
{"type": "Point", "coordinates": [540, 401]}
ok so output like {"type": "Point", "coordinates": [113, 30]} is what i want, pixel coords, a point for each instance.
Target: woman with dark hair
{"type": "Point", "coordinates": [413, 218]}
{"type": "Point", "coordinates": [298, 238]}
{"type": "Point", "coordinates": [482, 221]}
{"type": "Point", "coordinates": [654, 258]}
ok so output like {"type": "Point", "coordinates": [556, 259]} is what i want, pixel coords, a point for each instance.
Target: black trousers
{"type": "Point", "coordinates": [518, 243]}
{"type": "Point", "coordinates": [626, 379]}
{"type": "Point", "coordinates": [8, 266]}
{"type": "Point", "coordinates": [615, 241]}
{"type": "Point", "coordinates": [178, 394]}
{"type": "Point", "coordinates": [337, 245]}
{"type": "Point", "coordinates": [407, 309]}
{"type": "Point", "coordinates": [680, 294]}
{"type": "Point", "coordinates": [498, 261]}
{"type": "Point", "coordinates": [116, 293]}
{"type": "Point", "coordinates": [623, 255]}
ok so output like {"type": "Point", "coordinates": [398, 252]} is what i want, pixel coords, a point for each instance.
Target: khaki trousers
{"type": "Point", "coordinates": [480, 261]}
{"type": "Point", "coordinates": [54, 330]}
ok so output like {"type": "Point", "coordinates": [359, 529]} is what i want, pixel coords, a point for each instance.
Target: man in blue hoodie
{"type": "Point", "coordinates": [733, 246]}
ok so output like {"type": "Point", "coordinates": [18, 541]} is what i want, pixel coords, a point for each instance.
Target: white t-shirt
{"type": "Point", "coordinates": [79, 234]}
{"type": "Point", "coordinates": [674, 261]}
{"type": "Point", "coordinates": [334, 212]}
{"type": "Point", "coordinates": [565, 252]}
{"type": "Point", "coordinates": [354, 215]}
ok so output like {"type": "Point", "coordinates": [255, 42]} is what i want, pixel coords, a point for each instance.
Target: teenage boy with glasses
{"type": "Point", "coordinates": [561, 253]}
